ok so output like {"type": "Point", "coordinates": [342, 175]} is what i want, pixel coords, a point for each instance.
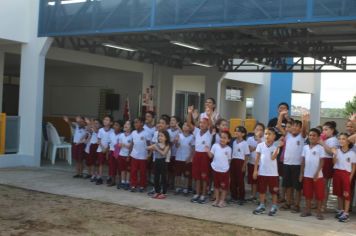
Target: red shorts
{"type": "Point", "coordinates": [171, 164]}
{"type": "Point", "coordinates": [313, 188]}
{"type": "Point", "coordinates": [328, 168]}
{"type": "Point", "coordinates": [250, 169]}
{"type": "Point", "coordinates": [78, 152]}
{"type": "Point", "coordinates": [342, 184]}
{"type": "Point", "coordinates": [201, 166]}
{"type": "Point", "coordinates": [267, 181]}
{"type": "Point", "coordinates": [91, 158]}
{"type": "Point", "coordinates": [124, 163]}
{"type": "Point", "coordinates": [101, 158]}
{"type": "Point", "coordinates": [181, 168]}
{"type": "Point", "coordinates": [221, 180]}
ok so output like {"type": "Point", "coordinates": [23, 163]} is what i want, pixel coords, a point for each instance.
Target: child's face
{"type": "Point", "coordinates": [269, 136]}
{"type": "Point", "coordinates": [327, 131]}
{"type": "Point", "coordinates": [350, 127]}
{"type": "Point", "coordinates": [239, 134]}
{"type": "Point", "coordinates": [296, 129]}
{"type": "Point", "coordinates": [313, 137]}
{"type": "Point", "coordinates": [343, 140]}
{"type": "Point", "coordinates": [127, 126]}
{"type": "Point", "coordinates": [224, 139]}
{"type": "Point", "coordinates": [138, 124]}
{"type": "Point", "coordinates": [195, 113]}
{"type": "Point", "coordinates": [288, 127]}
{"type": "Point", "coordinates": [79, 120]}
{"type": "Point", "coordinates": [97, 125]}
{"type": "Point", "coordinates": [107, 122]}
{"type": "Point", "coordinates": [209, 104]}
{"type": "Point", "coordinates": [203, 124]}
{"type": "Point", "coordinates": [223, 125]}
{"type": "Point", "coordinates": [186, 128]}
{"type": "Point", "coordinates": [162, 125]}
{"type": "Point", "coordinates": [259, 131]}
{"type": "Point", "coordinates": [161, 138]}
{"type": "Point", "coordinates": [173, 122]}
{"type": "Point", "coordinates": [117, 127]}
{"type": "Point", "coordinates": [148, 118]}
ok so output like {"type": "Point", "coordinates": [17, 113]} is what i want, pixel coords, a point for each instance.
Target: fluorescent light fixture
{"type": "Point", "coordinates": [186, 45]}
{"type": "Point", "coordinates": [119, 47]}
{"type": "Point", "coordinates": [72, 1]}
{"type": "Point", "coordinates": [51, 3]}
{"type": "Point", "coordinates": [201, 64]}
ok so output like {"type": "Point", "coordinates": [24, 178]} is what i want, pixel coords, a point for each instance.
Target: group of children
{"type": "Point", "coordinates": [203, 151]}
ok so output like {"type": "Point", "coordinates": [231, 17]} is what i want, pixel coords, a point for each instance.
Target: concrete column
{"type": "Point", "coordinates": [315, 102]}
{"type": "Point", "coordinates": [31, 99]}
{"type": "Point", "coordinates": [2, 67]}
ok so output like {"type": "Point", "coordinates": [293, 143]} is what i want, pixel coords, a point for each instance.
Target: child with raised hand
{"type": "Point", "coordinates": [344, 159]}
{"type": "Point", "coordinates": [201, 160]}
{"type": "Point", "coordinates": [266, 172]}
{"type": "Point", "coordinates": [103, 146]}
{"type": "Point", "coordinates": [112, 164]}
{"type": "Point", "coordinates": [183, 162]}
{"type": "Point", "coordinates": [91, 147]}
{"type": "Point", "coordinates": [78, 145]}
{"type": "Point", "coordinates": [162, 158]}
{"type": "Point", "coordinates": [125, 144]}
{"type": "Point", "coordinates": [311, 174]}
{"type": "Point", "coordinates": [252, 143]}
{"type": "Point", "coordinates": [221, 154]}
{"type": "Point", "coordinates": [240, 152]}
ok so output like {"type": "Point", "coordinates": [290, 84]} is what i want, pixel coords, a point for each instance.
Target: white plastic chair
{"type": "Point", "coordinates": [55, 144]}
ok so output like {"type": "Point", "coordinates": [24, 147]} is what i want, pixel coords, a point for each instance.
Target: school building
{"type": "Point", "coordinates": [88, 57]}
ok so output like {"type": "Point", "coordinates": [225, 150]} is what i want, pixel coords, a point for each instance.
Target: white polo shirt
{"type": "Point", "coordinates": [267, 166]}
{"type": "Point", "coordinates": [114, 139]}
{"type": "Point", "coordinates": [104, 136]}
{"type": "Point", "coordinates": [125, 139]}
{"type": "Point", "coordinates": [312, 158]}
{"type": "Point", "coordinates": [79, 134]}
{"type": "Point", "coordinates": [240, 150]}
{"type": "Point", "coordinates": [331, 142]}
{"type": "Point", "coordinates": [150, 130]}
{"type": "Point", "coordinates": [186, 144]}
{"type": "Point", "coordinates": [140, 140]}
{"type": "Point", "coordinates": [202, 141]}
{"type": "Point", "coordinates": [222, 156]}
{"type": "Point", "coordinates": [345, 160]}
{"type": "Point", "coordinates": [93, 140]}
{"type": "Point", "coordinates": [172, 136]}
{"type": "Point", "coordinates": [252, 142]}
{"type": "Point", "coordinates": [293, 149]}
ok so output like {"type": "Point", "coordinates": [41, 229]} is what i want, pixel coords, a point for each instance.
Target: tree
{"type": "Point", "coordinates": [350, 107]}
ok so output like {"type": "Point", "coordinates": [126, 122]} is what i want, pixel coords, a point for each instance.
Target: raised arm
{"type": "Point", "coordinates": [190, 122]}
{"type": "Point", "coordinates": [280, 120]}
{"type": "Point", "coordinates": [305, 124]}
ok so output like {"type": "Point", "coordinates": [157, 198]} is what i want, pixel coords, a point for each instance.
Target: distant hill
{"type": "Point", "coordinates": [325, 112]}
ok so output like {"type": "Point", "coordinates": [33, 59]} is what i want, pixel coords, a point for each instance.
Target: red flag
{"type": "Point", "coordinates": [127, 109]}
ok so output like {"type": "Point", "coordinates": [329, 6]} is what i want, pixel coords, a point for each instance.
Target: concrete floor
{"type": "Point", "coordinates": [58, 180]}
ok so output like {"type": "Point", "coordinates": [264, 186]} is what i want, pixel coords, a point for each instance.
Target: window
{"type": "Point", "coordinates": [185, 99]}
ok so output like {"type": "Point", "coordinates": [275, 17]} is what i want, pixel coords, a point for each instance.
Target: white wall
{"type": "Point", "coordinates": [15, 19]}
{"type": "Point", "coordinates": [74, 89]}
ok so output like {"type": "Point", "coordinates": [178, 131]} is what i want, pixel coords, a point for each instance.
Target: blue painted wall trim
{"type": "Point", "coordinates": [280, 91]}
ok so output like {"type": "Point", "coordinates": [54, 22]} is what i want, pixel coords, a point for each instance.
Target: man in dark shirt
{"type": "Point", "coordinates": [281, 107]}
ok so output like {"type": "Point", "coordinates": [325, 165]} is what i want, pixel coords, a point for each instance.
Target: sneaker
{"type": "Point", "coordinates": [195, 199]}
{"type": "Point", "coordinates": [87, 177]}
{"type": "Point", "coordinates": [141, 190]}
{"type": "Point", "coordinates": [259, 210]}
{"type": "Point", "coordinates": [99, 181]}
{"type": "Point", "coordinates": [93, 179]}
{"type": "Point", "coordinates": [152, 192]}
{"type": "Point", "coordinates": [339, 214]}
{"type": "Point", "coordinates": [273, 211]}
{"type": "Point", "coordinates": [178, 191]}
{"type": "Point", "coordinates": [127, 186]}
{"type": "Point", "coordinates": [133, 190]}
{"type": "Point", "coordinates": [344, 218]}
{"type": "Point", "coordinates": [77, 176]}
{"type": "Point", "coordinates": [202, 200]}
{"type": "Point", "coordinates": [118, 186]}
{"type": "Point", "coordinates": [240, 202]}
{"type": "Point", "coordinates": [185, 192]}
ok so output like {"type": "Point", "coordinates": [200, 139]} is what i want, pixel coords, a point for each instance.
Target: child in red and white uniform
{"type": "Point", "coordinates": [125, 144]}
{"type": "Point", "coordinates": [91, 147]}
{"type": "Point", "coordinates": [78, 145]}
{"type": "Point", "coordinates": [221, 154]}
{"type": "Point", "coordinates": [139, 154]}
{"type": "Point", "coordinates": [201, 160]}
{"type": "Point", "coordinates": [173, 132]}
{"type": "Point", "coordinates": [266, 171]}
{"type": "Point", "coordinates": [104, 135]}
{"type": "Point", "coordinates": [221, 125]}
{"type": "Point", "coordinates": [311, 174]}
{"type": "Point", "coordinates": [183, 161]}
{"type": "Point", "coordinates": [240, 152]}
{"type": "Point", "coordinates": [112, 164]}
{"type": "Point", "coordinates": [328, 141]}
{"type": "Point", "coordinates": [293, 148]}
{"type": "Point", "coordinates": [344, 159]}
{"type": "Point", "coordinates": [252, 143]}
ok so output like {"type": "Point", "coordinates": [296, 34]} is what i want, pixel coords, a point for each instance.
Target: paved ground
{"type": "Point", "coordinates": [60, 182]}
